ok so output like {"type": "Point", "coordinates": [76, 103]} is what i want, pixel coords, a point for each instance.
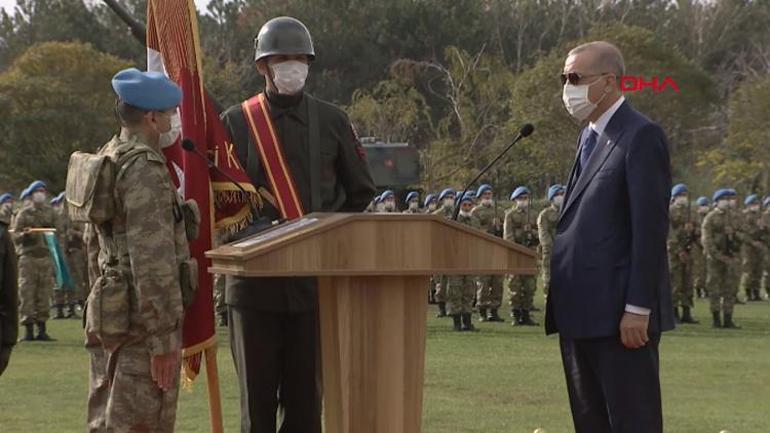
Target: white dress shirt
{"type": "Point", "coordinates": [599, 126]}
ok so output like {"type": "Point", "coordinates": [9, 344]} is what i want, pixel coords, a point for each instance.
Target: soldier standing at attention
{"type": "Point", "coordinates": [698, 257]}
{"type": "Point", "coordinates": [9, 294]}
{"type": "Point", "coordinates": [718, 237]}
{"type": "Point", "coordinates": [6, 208]}
{"type": "Point", "coordinates": [490, 287]}
{"type": "Point", "coordinates": [546, 231]}
{"type": "Point", "coordinates": [35, 265]}
{"type": "Point", "coordinates": [431, 204]}
{"type": "Point", "coordinates": [462, 288]}
{"type": "Point", "coordinates": [389, 202]}
{"type": "Point", "coordinates": [518, 228]}
{"type": "Point", "coordinates": [63, 296]}
{"type": "Point", "coordinates": [77, 262]}
{"type": "Point", "coordinates": [447, 200]}
{"type": "Point", "coordinates": [412, 203]}
{"type": "Point", "coordinates": [680, 244]}
{"type": "Point", "coordinates": [752, 248]}
{"type": "Point", "coordinates": [322, 167]}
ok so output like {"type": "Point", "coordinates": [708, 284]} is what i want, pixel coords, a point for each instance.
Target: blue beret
{"type": "Point", "coordinates": [519, 192]}
{"type": "Point", "coordinates": [429, 198]}
{"type": "Point", "coordinates": [412, 195]}
{"type": "Point", "coordinates": [24, 194]}
{"type": "Point", "coordinates": [482, 189]}
{"type": "Point", "coordinates": [702, 201]}
{"type": "Point", "coordinates": [554, 190]}
{"type": "Point", "coordinates": [36, 185]}
{"type": "Point", "coordinates": [723, 193]}
{"type": "Point", "coordinates": [752, 199]}
{"type": "Point", "coordinates": [468, 196]}
{"type": "Point", "coordinates": [679, 189]}
{"type": "Point", "coordinates": [766, 203]}
{"type": "Point", "coordinates": [5, 197]}
{"type": "Point", "coordinates": [446, 192]}
{"type": "Point", "coordinates": [387, 194]}
{"type": "Point", "coordinates": [151, 91]}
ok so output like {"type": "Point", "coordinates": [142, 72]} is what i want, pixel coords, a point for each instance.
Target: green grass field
{"type": "Point", "coordinates": [501, 380]}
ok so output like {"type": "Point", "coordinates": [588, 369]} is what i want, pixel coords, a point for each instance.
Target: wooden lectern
{"type": "Point", "coordinates": [373, 275]}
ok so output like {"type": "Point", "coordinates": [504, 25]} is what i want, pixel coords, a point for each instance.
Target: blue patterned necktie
{"type": "Point", "coordinates": [588, 145]}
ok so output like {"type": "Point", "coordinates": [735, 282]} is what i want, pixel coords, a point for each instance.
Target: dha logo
{"type": "Point", "coordinates": [630, 83]}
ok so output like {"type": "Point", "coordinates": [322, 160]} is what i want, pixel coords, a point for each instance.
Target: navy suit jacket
{"type": "Point", "coordinates": [610, 244]}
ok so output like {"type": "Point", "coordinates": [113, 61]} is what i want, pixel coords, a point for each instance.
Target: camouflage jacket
{"type": "Point", "coordinates": [681, 233]}
{"type": "Point", "coordinates": [486, 216]}
{"type": "Point", "coordinates": [409, 211]}
{"type": "Point", "coordinates": [764, 222]}
{"type": "Point", "coordinates": [718, 234]}
{"type": "Point", "coordinates": [445, 211]}
{"type": "Point", "coordinates": [468, 220]}
{"type": "Point", "coordinates": [698, 225]}
{"type": "Point", "coordinates": [750, 228]}
{"type": "Point", "coordinates": [149, 242]}
{"type": "Point", "coordinates": [33, 216]}
{"type": "Point", "coordinates": [519, 228]}
{"type": "Point", "coordinates": [546, 227]}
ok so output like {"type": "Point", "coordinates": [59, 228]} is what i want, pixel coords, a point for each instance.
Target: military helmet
{"type": "Point", "coordinates": [283, 36]}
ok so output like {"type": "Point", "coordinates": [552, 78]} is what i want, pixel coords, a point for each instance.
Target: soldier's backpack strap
{"type": "Point", "coordinates": [314, 143]}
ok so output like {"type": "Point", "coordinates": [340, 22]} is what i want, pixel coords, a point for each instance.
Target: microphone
{"type": "Point", "coordinates": [260, 222]}
{"type": "Point", "coordinates": [525, 131]}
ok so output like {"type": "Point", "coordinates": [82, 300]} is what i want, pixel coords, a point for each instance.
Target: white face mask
{"type": "Point", "coordinates": [432, 206]}
{"type": "Point", "coordinates": [413, 205]}
{"type": "Point", "coordinates": [465, 213]}
{"type": "Point", "coordinates": [575, 98]}
{"type": "Point", "coordinates": [166, 139]}
{"type": "Point", "coordinates": [681, 201]}
{"type": "Point", "coordinates": [558, 200]}
{"type": "Point", "coordinates": [38, 197]}
{"type": "Point", "coordinates": [449, 202]}
{"type": "Point", "coordinates": [486, 202]}
{"type": "Point", "coordinates": [723, 204]}
{"type": "Point", "coordinates": [390, 205]}
{"type": "Point", "coordinates": [289, 77]}
{"type": "Point", "coordinates": [380, 207]}
{"type": "Point", "coordinates": [754, 208]}
{"type": "Point", "coordinates": [733, 204]}
{"type": "Point", "coordinates": [522, 204]}
{"type": "Point", "coordinates": [703, 209]}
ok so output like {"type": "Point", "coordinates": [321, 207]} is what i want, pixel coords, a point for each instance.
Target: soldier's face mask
{"type": "Point", "coordinates": [289, 77]}
{"type": "Point", "coordinates": [390, 204]}
{"type": "Point", "coordinates": [449, 201]}
{"type": "Point", "coordinates": [681, 200]}
{"type": "Point", "coordinates": [754, 208]}
{"type": "Point", "coordinates": [413, 205]}
{"type": "Point", "coordinates": [487, 202]}
{"type": "Point", "coordinates": [733, 204]}
{"type": "Point", "coordinates": [522, 203]}
{"type": "Point", "coordinates": [703, 209]}
{"type": "Point", "coordinates": [558, 200]}
{"type": "Point", "coordinates": [432, 206]}
{"type": "Point", "coordinates": [723, 204]}
{"type": "Point", "coordinates": [38, 197]}
{"type": "Point", "coordinates": [168, 138]}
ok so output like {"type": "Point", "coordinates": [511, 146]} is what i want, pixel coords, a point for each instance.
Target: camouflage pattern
{"type": "Point", "coordinates": [752, 252]}
{"type": "Point", "coordinates": [73, 295]}
{"type": "Point", "coordinates": [441, 281]}
{"type": "Point", "coordinates": [719, 244]}
{"type": "Point", "coordinates": [680, 243]}
{"type": "Point", "coordinates": [698, 257]}
{"type": "Point", "coordinates": [765, 223]}
{"type": "Point", "coordinates": [546, 232]}
{"type": "Point", "coordinates": [35, 266]}
{"type": "Point", "coordinates": [490, 287]}
{"type": "Point", "coordinates": [148, 235]}
{"type": "Point", "coordinates": [220, 306]}
{"type": "Point", "coordinates": [461, 288]}
{"type": "Point", "coordinates": [445, 211]}
{"type": "Point", "coordinates": [518, 228]}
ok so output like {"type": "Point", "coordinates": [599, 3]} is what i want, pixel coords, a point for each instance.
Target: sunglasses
{"type": "Point", "coordinates": [575, 77]}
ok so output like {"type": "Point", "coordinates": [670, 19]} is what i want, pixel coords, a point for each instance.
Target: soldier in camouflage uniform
{"type": "Point", "coordinates": [546, 231]}
{"type": "Point", "coordinates": [519, 228]}
{"type": "Point", "coordinates": [35, 265]}
{"type": "Point", "coordinates": [389, 202]}
{"type": "Point", "coordinates": [431, 204]}
{"type": "Point", "coordinates": [680, 245]}
{"type": "Point", "coordinates": [718, 239]}
{"type": "Point", "coordinates": [490, 287]}
{"type": "Point", "coordinates": [6, 208]}
{"type": "Point", "coordinates": [698, 257]}
{"type": "Point", "coordinates": [412, 203]}
{"type": "Point", "coordinates": [462, 288]}
{"type": "Point", "coordinates": [447, 200]}
{"type": "Point", "coordinates": [143, 250]}
{"type": "Point", "coordinates": [62, 296]}
{"type": "Point", "coordinates": [752, 248]}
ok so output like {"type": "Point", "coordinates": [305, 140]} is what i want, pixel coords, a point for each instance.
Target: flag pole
{"type": "Point", "coordinates": [215, 398]}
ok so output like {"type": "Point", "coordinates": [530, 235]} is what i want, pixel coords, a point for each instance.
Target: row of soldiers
{"type": "Point", "coordinates": [718, 251]}
{"type": "Point", "coordinates": [33, 217]}
{"type": "Point", "coordinates": [456, 296]}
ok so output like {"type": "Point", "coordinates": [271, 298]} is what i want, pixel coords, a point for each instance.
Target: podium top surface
{"type": "Point", "coordinates": [358, 244]}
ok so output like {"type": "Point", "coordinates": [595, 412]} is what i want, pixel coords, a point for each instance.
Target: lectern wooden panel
{"type": "Point", "coordinates": [373, 276]}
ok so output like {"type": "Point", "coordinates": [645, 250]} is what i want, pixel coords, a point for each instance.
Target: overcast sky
{"type": "Point", "coordinates": [8, 4]}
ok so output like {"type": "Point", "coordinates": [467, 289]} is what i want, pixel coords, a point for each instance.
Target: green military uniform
{"type": "Point", "coordinates": [752, 253]}
{"type": "Point", "coordinates": [460, 289]}
{"type": "Point", "coordinates": [490, 287]}
{"type": "Point", "coordinates": [546, 232]}
{"type": "Point", "coordinates": [518, 228]}
{"type": "Point", "coordinates": [9, 294]}
{"type": "Point", "coordinates": [680, 245]}
{"type": "Point", "coordinates": [71, 242]}
{"type": "Point", "coordinates": [439, 295]}
{"type": "Point", "coordinates": [35, 265]}
{"type": "Point", "coordinates": [719, 243]}
{"type": "Point", "coordinates": [698, 257]}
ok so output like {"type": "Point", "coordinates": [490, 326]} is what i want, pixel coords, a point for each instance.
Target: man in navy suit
{"type": "Point", "coordinates": [610, 295]}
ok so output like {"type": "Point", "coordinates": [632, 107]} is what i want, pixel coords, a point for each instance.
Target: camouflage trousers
{"type": "Point", "coordinates": [441, 282]}
{"type": "Point", "coordinates": [545, 271]}
{"type": "Point", "coordinates": [489, 293]}
{"type": "Point", "coordinates": [35, 287]}
{"type": "Point", "coordinates": [720, 288]}
{"type": "Point", "coordinates": [123, 397]}
{"type": "Point", "coordinates": [681, 280]}
{"type": "Point", "coordinates": [460, 291]}
{"type": "Point", "coordinates": [752, 261]}
{"type": "Point", "coordinates": [78, 267]}
{"type": "Point", "coordinates": [220, 307]}
{"type": "Point", "coordinates": [698, 270]}
{"type": "Point", "coordinates": [521, 289]}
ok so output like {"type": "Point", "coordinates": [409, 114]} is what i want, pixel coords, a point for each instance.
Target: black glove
{"type": "Point", "coordinates": [5, 356]}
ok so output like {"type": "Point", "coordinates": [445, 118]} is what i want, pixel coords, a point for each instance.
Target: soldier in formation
{"type": "Point", "coordinates": [698, 256]}
{"type": "Point", "coordinates": [546, 231]}
{"type": "Point", "coordinates": [486, 217]}
{"type": "Point", "coordinates": [719, 241]}
{"type": "Point", "coordinates": [430, 204]}
{"type": "Point", "coordinates": [519, 227]}
{"type": "Point", "coordinates": [753, 248]}
{"type": "Point", "coordinates": [412, 202]}
{"type": "Point", "coordinates": [447, 200]}
{"type": "Point", "coordinates": [460, 289]}
{"type": "Point", "coordinates": [681, 243]}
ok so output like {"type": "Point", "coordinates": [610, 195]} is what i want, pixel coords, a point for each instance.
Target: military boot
{"type": "Point", "coordinates": [482, 314]}
{"type": "Point", "coordinates": [516, 315]}
{"type": "Point", "coordinates": [467, 322]}
{"type": "Point", "coordinates": [441, 309]}
{"type": "Point", "coordinates": [757, 295]}
{"type": "Point", "coordinates": [71, 313]}
{"type": "Point", "coordinates": [526, 320]}
{"type": "Point", "coordinates": [457, 323]}
{"type": "Point", "coordinates": [750, 296]}
{"type": "Point", "coordinates": [677, 317]}
{"type": "Point", "coordinates": [41, 334]}
{"type": "Point", "coordinates": [728, 323]}
{"type": "Point", "coordinates": [687, 316]}
{"type": "Point", "coordinates": [223, 319]}
{"type": "Point", "coordinates": [59, 312]}
{"type": "Point", "coordinates": [493, 316]}
{"type": "Point", "coordinates": [29, 334]}
{"type": "Point", "coordinates": [717, 321]}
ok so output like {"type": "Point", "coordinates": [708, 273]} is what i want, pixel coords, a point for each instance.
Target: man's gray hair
{"type": "Point", "coordinates": [609, 59]}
